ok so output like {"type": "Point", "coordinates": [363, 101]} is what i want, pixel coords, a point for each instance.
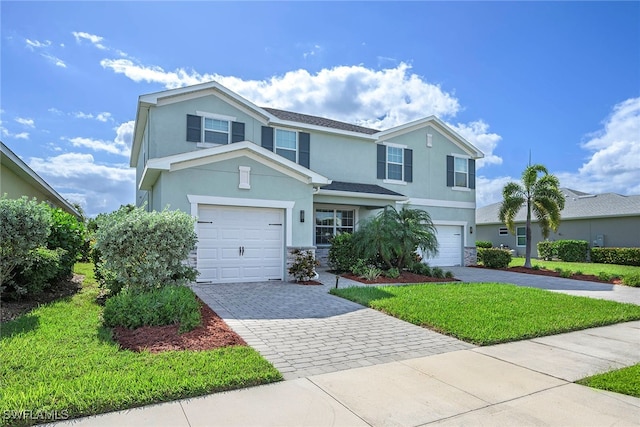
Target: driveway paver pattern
{"type": "Point", "coordinates": [305, 331]}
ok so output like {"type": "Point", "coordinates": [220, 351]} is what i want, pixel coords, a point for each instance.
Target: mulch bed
{"type": "Point", "coordinates": [213, 333]}
{"type": "Point", "coordinates": [552, 273]}
{"type": "Point", "coordinates": [405, 277]}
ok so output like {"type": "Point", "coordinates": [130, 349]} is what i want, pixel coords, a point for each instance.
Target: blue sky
{"type": "Point", "coordinates": [559, 79]}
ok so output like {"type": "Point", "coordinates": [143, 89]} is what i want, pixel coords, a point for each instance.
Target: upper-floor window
{"type": "Point", "coordinates": [395, 163]}
{"type": "Point", "coordinates": [286, 143]}
{"type": "Point", "coordinates": [208, 128]}
{"type": "Point", "coordinates": [461, 172]}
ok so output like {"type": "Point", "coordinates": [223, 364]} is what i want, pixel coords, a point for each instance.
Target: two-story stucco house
{"type": "Point", "coordinates": [263, 182]}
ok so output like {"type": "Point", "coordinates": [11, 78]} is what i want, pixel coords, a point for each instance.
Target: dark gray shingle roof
{"type": "Point", "coordinates": [355, 187]}
{"type": "Point", "coordinates": [577, 205]}
{"type": "Point", "coordinates": [319, 121]}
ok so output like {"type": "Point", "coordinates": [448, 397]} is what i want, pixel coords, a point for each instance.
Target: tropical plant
{"type": "Point", "coordinates": [304, 265]}
{"type": "Point", "coordinates": [540, 194]}
{"type": "Point", "coordinates": [394, 236]}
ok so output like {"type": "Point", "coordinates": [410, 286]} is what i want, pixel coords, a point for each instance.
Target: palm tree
{"type": "Point", "coordinates": [541, 194]}
{"type": "Point", "coordinates": [394, 236]}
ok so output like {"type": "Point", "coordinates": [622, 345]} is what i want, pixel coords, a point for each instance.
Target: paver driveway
{"type": "Point", "coordinates": [305, 331]}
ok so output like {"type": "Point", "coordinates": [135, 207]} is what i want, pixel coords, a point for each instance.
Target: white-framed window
{"type": "Point", "coordinates": [521, 236]}
{"type": "Point", "coordinates": [461, 170]}
{"type": "Point", "coordinates": [503, 231]}
{"type": "Point", "coordinates": [215, 131]}
{"type": "Point", "coordinates": [329, 222]}
{"type": "Point", "coordinates": [286, 144]}
{"type": "Point", "coordinates": [395, 163]}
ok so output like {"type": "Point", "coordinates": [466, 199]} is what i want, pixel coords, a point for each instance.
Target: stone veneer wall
{"type": "Point", "coordinates": [291, 258]}
{"type": "Point", "coordinates": [470, 256]}
{"type": "Point", "coordinates": [322, 255]}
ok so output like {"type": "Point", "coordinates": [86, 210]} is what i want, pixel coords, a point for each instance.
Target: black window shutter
{"type": "Point", "coordinates": [267, 138]}
{"type": "Point", "coordinates": [472, 174]}
{"type": "Point", "coordinates": [194, 128]}
{"type": "Point", "coordinates": [304, 149]}
{"type": "Point", "coordinates": [450, 170]}
{"type": "Point", "coordinates": [382, 161]}
{"type": "Point", "coordinates": [237, 131]}
{"type": "Point", "coordinates": [408, 165]}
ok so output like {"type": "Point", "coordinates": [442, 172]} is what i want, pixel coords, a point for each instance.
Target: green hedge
{"type": "Point", "coordinates": [547, 250]}
{"type": "Point", "coordinates": [495, 257]}
{"type": "Point", "coordinates": [619, 256]}
{"type": "Point", "coordinates": [40, 270]}
{"type": "Point", "coordinates": [342, 253]}
{"type": "Point", "coordinates": [485, 244]}
{"type": "Point", "coordinates": [572, 250]}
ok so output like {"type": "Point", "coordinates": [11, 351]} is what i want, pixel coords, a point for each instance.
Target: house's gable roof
{"type": "Point", "coordinates": [319, 121]}
{"type": "Point", "coordinates": [12, 162]}
{"type": "Point", "coordinates": [578, 205]}
{"type": "Point", "coordinates": [272, 116]}
{"type": "Point", "coordinates": [225, 152]}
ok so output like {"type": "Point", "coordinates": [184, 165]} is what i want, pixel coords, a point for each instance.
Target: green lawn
{"type": "Point", "coordinates": [490, 313]}
{"type": "Point", "coordinates": [625, 381]}
{"type": "Point", "coordinates": [583, 267]}
{"type": "Point", "coordinates": [59, 358]}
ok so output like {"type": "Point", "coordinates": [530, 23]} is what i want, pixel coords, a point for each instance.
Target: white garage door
{"type": "Point", "coordinates": [238, 244]}
{"type": "Point", "coordinates": [449, 247]}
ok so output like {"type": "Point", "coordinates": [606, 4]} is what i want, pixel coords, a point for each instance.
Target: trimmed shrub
{"type": "Point", "coordinates": [166, 306]}
{"type": "Point", "coordinates": [483, 244]}
{"type": "Point", "coordinates": [304, 265]}
{"type": "Point", "coordinates": [39, 272]}
{"type": "Point", "coordinates": [632, 280]}
{"type": "Point", "coordinates": [342, 253]}
{"type": "Point", "coordinates": [547, 250]}
{"type": "Point", "coordinates": [24, 226]}
{"type": "Point", "coordinates": [146, 250]}
{"type": "Point", "coordinates": [619, 256]}
{"type": "Point", "coordinates": [68, 233]}
{"type": "Point", "coordinates": [572, 250]}
{"type": "Point", "coordinates": [496, 258]}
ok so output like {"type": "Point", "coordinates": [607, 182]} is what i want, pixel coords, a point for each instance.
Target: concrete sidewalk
{"type": "Point", "coordinates": [521, 383]}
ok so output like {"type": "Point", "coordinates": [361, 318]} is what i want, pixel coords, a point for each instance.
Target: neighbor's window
{"type": "Point", "coordinates": [395, 163]}
{"type": "Point", "coordinates": [521, 236]}
{"type": "Point", "coordinates": [503, 231]}
{"type": "Point", "coordinates": [461, 171]}
{"type": "Point", "coordinates": [330, 222]}
{"type": "Point", "coordinates": [286, 144]}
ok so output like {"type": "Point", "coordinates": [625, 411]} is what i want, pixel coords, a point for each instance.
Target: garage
{"type": "Point", "coordinates": [449, 246]}
{"type": "Point", "coordinates": [240, 244]}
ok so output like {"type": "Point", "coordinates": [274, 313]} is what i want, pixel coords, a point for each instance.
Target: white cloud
{"type": "Point", "coordinates": [95, 40]}
{"type": "Point", "coordinates": [8, 134]}
{"type": "Point", "coordinates": [54, 110]}
{"type": "Point", "coordinates": [614, 152]}
{"type": "Point", "coordinates": [314, 50]}
{"type": "Point", "coordinates": [489, 190]}
{"type": "Point", "coordinates": [26, 122]}
{"type": "Point", "coordinates": [121, 144]}
{"type": "Point", "coordinates": [55, 60]}
{"type": "Point", "coordinates": [98, 187]}
{"type": "Point", "coordinates": [36, 44]}
{"type": "Point", "coordinates": [102, 117]}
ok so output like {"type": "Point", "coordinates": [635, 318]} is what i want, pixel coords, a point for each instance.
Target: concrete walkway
{"type": "Point", "coordinates": [351, 366]}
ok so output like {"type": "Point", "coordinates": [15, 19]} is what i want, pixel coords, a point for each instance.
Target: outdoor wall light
{"type": "Point", "coordinates": [302, 216]}
{"type": "Point", "coordinates": [470, 230]}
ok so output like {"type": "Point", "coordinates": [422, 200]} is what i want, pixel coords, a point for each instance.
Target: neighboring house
{"type": "Point", "coordinates": [605, 220]}
{"type": "Point", "coordinates": [263, 182]}
{"type": "Point", "coordinates": [17, 180]}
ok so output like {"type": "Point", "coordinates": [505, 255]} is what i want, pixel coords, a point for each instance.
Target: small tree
{"type": "Point", "coordinates": [394, 236]}
{"type": "Point", "coordinates": [24, 226]}
{"type": "Point", "coordinates": [68, 233]}
{"type": "Point", "coordinates": [540, 194]}
{"type": "Point", "coordinates": [146, 250]}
